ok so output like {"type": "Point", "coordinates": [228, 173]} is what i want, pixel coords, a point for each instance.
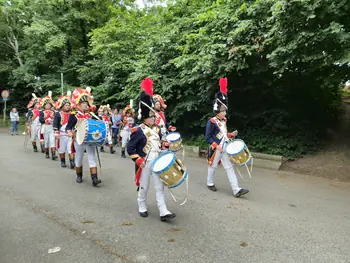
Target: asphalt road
{"type": "Point", "coordinates": [285, 218]}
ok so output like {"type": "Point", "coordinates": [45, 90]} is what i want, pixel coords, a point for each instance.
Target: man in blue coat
{"type": "Point", "coordinates": [217, 137]}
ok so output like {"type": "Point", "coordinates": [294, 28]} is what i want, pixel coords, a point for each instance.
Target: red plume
{"type": "Point", "coordinates": [147, 86]}
{"type": "Point", "coordinates": [223, 85]}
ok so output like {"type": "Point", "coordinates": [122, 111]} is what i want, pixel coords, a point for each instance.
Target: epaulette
{"type": "Point", "coordinates": [73, 112]}
{"type": "Point", "coordinates": [212, 120]}
{"type": "Point", "coordinates": [134, 129]}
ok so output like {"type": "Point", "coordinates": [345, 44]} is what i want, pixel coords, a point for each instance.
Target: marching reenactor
{"type": "Point", "coordinates": [105, 113]}
{"type": "Point", "coordinates": [82, 101]}
{"type": "Point", "coordinates": [127, 123]}
{"type": "Point", "coordinates": [63, 105]}
{"type": "Point", "coordinates": [217, 137]}
{"type": "Point", "coordinates": [33, 121]}
{"type": "Point", "coordinates": [161, 121]}
{"type": "Point", "coordinates": [46, 119]}
{"type": "Point", "coordinates": [146, 141]}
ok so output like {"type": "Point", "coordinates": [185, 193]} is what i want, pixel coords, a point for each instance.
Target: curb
{"type": "Point", "coordinates": [261, 160]}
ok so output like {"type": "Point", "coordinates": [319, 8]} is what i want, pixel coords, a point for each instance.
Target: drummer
{"type": "Point", "coordinates": [160, 106]}
{"type": "Point", "coordinates": [217, 136]}
{"type": "Point", "coordinates": [144, 147]}
{"type": "Point", "coordinates": [82, 101]}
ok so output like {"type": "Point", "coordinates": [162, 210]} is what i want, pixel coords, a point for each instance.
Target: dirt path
{"type": "Point", "coordinates": [333, 162]}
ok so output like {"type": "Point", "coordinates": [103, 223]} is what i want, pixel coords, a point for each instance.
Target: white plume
{"type": "Point", "coordinates": [50, 93]}
{"type": "Point", "coordinates": [88, 89]}
{"type": "Point", "coordinates": [215, 106]}
{"type": "Point", "coordinates": [34, 96]}
{"type": "Point", "coordinates": [69, 93]}
{"type": "Point", "coordinates": [131, 103]}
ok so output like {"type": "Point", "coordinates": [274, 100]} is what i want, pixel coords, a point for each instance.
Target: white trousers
{"type": "Point", "coordinates": [146, 175]}
{"type": "Point", "coordinates": [79, 155]}
{"type": "Point", "coordinates": [109, 136]}
{"type": "Point", "coordinates": [125, 137]}
{"type": "Point", "coordinates": [35, 131]}
{"type": "Point", "coordinates": [228, 166]}
{"type": "Point", "coordinates": [65, 144]}
{"type": "Point", "coordinates": [49, 137]}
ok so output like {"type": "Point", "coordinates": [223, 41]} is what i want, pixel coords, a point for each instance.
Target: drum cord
{"type": "Point", "coordinates": [175, 198]}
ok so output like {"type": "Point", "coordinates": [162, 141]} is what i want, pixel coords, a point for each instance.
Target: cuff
{"type": "Point", "coordinates": [57, 132]}
{"type": "Point", "coordinates": [139, 161]}
{"type": "Point", "coordinates": [214, 145]}
{"type": "Point", "coordinates": [230, 135]}
{"type": "Point", "coordinates": [165, 145]}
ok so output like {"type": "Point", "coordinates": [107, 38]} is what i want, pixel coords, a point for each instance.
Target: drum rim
{"type": "Point", "coordinates": [170, 133]}
{"type": "Point", "coordinates": [83, 122]}
{"type": "Point", "coordinates": [174, 151]}
{"type": "Point", "coordinates": [184, 177]}
{"type": "Point", "coordinates": [245, 146]}
{"type": "Point", "coordinates": [167, 167]}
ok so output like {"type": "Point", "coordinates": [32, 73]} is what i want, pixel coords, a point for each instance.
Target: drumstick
{"type": "Point", "coordinates": [93, 114]}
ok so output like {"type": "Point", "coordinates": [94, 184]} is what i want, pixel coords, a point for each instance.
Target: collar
{"type": "Point", "coordinates": [219, 118]}
{"type": "Point", "coordinates": [148, 125]}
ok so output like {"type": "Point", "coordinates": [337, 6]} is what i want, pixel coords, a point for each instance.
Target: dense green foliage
{"type": "Point", "coordinates": [284, 60]}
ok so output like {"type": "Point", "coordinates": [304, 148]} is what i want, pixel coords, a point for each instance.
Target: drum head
{"type": "Point", "coordinates": [81, 131]}
{"type": "Point", "coordinates": [235, 147]}
{"type": "Point", "coordinates": [163, 162]}
{"type": "Point", "coordinates": [173, 136]}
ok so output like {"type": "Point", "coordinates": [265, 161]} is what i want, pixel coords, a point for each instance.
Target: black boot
{"type": "Point", "coordinates": [72, 164]}
{"type": "Point", "coordinates": [95, 180]}
{"type": "Point", "coordinates": [35, 148]}
{"type": "Point", "coordinates": [71, 161]}
{"type": "Point", "coordinates": [79, 171]}
{"type": "Point", "coordinates": [53, 154]}
{"type": "Point", "coordinates": [102, 149]}
{"type": "Point", "coordinates": [47, 155]}
{"type": "Point", "coordinates": [123, 153]}
{"type": "Point", "coordinates": [63, 160]}
{"type": "Point", "coordinates": [111, 149]}
{"type": "Point", "coordinates": [42, 148]}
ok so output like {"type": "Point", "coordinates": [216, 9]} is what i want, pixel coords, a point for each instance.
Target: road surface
{"type": "Point", "coordinates": [285, 218]}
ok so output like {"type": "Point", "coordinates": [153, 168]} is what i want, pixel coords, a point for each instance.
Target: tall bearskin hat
{"type": "Point", "coordinates": [146, 104]}
{"type": "Point", "coordinates": [81, 95]}
{"type": "Point", "coordinates": [62, 100]}
{"type": "Point", "coordinates": [129, 109]}
{"type": "Point", "coordinates": [48, 100]}
{"type": "Point", "coordinates": [34, 101]}
{"type": "Point", "coordinates": [158, 98]}
{"type": "Point", "coordinates": [221, 99]}
{"type": "Point", "coordinates": [103, 108]}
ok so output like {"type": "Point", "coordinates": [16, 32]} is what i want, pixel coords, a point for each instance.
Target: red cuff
{"type": "Point", "coordinates": [165, 145]}
{"type": "Point", "coordinates": [172, 128]}
{"type": "Point", "coordinates": [139, 161]}
{"type": "Point", "coordinates": [230, 135]}
{"type": "Point", "coordinates": [57, 132]}
{"type": "Point", "coordinates": [214, 145]}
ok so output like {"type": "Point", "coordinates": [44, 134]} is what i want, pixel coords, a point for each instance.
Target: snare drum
{"type": "Point", "coordinates": [170, 169]}
{"type": "Point", "coordinates": [238, 152]}
{"type": "Point", "coordinates": [91, 132]}
{"type": "Point", "coordinates": [175, 141]}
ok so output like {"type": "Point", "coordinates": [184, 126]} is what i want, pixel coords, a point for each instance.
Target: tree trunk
{"type": "Point", "coordinates": [13, 42]}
